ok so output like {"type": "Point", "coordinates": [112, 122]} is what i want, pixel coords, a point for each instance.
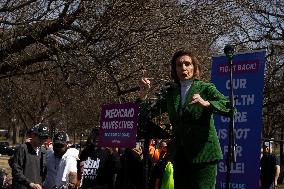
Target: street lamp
{"type": "Point", "coordinates": [81, 138]}
{"type": "Point", "coordinates": [15, 133]}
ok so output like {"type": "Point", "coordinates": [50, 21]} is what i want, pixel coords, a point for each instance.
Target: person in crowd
{"type": "Point", "coordinates": [61, 163]}
{"type": "Point", "coordinates": [132, 168]}
{"type": "Point", "coordinates": [112, 167]}
{"type": "Point", "coordinates": [163, 149]}
{"type": "Point", "coordinates": [190, 104]}
{"type": "Point", "coordinates": [164, 179]}
{"type": "Point", "coordinates": [28, 163]}
{"type": "Point", "coordinates": [5, 179]}
{"type": "Point", "coordinates": [48, 144]}
{"type": "Point", "coordinates": [98, 166]}
{"type": "Point", "coordinates": [154, 152]}
{"type": "Point", "coordinates": [269, 167]}
{"type": "Point", "coordinates": [159, 168]}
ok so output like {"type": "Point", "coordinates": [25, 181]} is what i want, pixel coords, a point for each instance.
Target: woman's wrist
{"type": "Point", "coordinates": [206, 103]}
{"type": "Point", "coordinates": [143, 95]}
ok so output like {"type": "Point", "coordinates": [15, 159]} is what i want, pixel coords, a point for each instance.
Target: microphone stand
{"type": "Point", "coordinates": [146, 145]}
{"type": "Point", "coordinates": [154, 105]}
{"type": "Point", "coordinates": [146, 161]}
{"type": "Point", "coordinates": [231, 157]}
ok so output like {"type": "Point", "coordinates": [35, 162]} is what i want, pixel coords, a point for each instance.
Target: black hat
{"type": "Point", "coordinates": [61, 137]}
{"type": "Point", "coordinates": [41, 130]}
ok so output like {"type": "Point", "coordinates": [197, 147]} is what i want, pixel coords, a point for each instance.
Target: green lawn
{"type": "Point", "coordinates": [4, 163]}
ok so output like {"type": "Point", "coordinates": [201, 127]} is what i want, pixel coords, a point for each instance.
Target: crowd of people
{"type": "Point", "coordinates": [39, 164]}
{"type": "Point", "coordinates": [43, 164]}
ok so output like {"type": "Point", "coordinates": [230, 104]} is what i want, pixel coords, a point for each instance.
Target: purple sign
{"type": "Point", "coordinates": [118, 125]}
{"type": "Point", "coordinates": [248, 81]}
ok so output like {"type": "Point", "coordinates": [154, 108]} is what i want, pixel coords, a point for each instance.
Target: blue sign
{"type": "Point", "coordinates": [248, 81]}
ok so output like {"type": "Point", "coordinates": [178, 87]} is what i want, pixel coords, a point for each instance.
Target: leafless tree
{"type": "Point", "coordinates": [262, 28]}
{"type": "Point", "coordinates": [62, 59]}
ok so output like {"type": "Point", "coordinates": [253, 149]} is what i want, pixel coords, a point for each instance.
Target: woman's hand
{"type": "Point", "coordinates": [196, 98]}
{"type": "Point", "coordinates": [144, 85]}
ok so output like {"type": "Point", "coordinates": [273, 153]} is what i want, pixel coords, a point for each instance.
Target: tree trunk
{"type": "Point", "coordinates": [281, 147]}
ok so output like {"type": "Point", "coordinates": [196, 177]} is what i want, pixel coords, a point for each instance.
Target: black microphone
{"type": "Point", "coordinates": [229, 52]}
{"type": "Point", "coordinates": [171, 85]}
{"type": "Point", "coordinates": [166, 88]}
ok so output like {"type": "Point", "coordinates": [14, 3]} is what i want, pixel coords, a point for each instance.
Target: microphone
{"type": "Point", "coordinates": [134, 89]}
{"type": "Point", "coordinates": [161, 94]}
{"type": "Point", "coordinates": [229, 52]}
{"type": "Point", "coordinates": [166, 88]}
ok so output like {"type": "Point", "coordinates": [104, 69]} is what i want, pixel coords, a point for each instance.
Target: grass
{"type": "Point", "coordinates": [4, 163]}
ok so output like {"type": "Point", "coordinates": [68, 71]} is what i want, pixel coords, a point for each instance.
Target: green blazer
{"type": "Point", "coordinates": [193, 126]}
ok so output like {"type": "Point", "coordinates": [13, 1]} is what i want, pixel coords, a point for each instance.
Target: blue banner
{"type": "Point", "coordinates": [248, 81]}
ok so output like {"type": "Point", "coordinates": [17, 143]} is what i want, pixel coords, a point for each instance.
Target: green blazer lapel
{"type": "Point", "coordinates": [176, 99]}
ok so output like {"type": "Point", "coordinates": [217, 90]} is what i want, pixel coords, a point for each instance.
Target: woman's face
{"type": "Point", "coordinates": [184, 67]}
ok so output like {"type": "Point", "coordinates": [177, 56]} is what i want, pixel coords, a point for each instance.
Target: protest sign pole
{"type": "Point", "coordinates": [231, 156]}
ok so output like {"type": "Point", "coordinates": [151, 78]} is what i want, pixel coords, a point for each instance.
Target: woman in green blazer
{"type": "Point", "coordinates": [190, 105]}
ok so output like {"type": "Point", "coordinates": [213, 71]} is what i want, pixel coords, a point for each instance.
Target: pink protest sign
{"type": "Point", "coordinates": [118, 125]}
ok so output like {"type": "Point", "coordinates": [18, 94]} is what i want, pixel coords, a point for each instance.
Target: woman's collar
{"type": "Point", "coordinates": [185, 83]}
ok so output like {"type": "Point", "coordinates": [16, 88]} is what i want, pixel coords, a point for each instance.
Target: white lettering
{"type": "Point", "coordinates": [236, 168]}
{"type": "Point", "coordinates": [239, 133]}
{"type": "Point", "coordinates": [238, 150]}
{"type": "Point", "coordinates": [115, 113]}
{"type": "Point", "coordinates": [225, 69]}
{"type": "Point", "coordinates": [237, 84]}
{"type": "Point", "coordinates": [117, 124]}
{"type": "Point", "coordinates": [233, 185]}
{"type": "Point", "coordinates": [239, 117]}
{"type": "Point", "coordinates": [246, 67]}
{"type": "Point", "coordinates": [244, 100]}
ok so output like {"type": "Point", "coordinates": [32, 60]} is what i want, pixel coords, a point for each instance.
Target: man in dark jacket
{"type": "Point", "coordinates": [29, 159]}
{"type": "Point", "coordinates": [270, 167]}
